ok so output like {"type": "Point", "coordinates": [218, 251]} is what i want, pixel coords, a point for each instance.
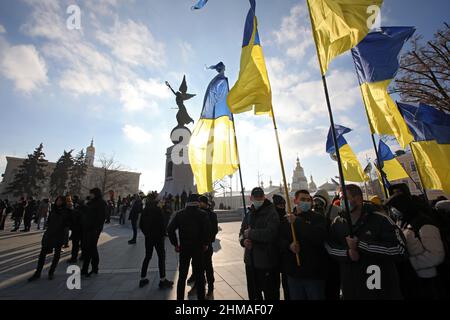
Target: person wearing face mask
{"type": "Point", "coordinates": [307, 281]}
{"type": "Point", "coordinates": [419, 276]}
{"type": "Point", "coordinates": [259, 237]}
{"type": "Point", "coordinates": [367, 258]}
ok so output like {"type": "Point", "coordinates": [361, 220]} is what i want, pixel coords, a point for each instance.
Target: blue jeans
{"type": "Point", "coordinates": [306, 289]}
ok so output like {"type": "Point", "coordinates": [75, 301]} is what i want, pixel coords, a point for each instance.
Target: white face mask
{"type": "Point", "coordinates": [257, 204]}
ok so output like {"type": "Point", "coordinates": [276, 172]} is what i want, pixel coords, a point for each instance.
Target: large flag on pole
{"type": "Point", "coordinates": [389, 164]}
{"type": "Point", "coordinates": [212, 148]}
{"type": "Point", "coordinates": [252, 90]}
{"type": "Point", "coordinates": [377, 62]}
{"type": "Point", "coordinates": [352, 168]}
{"type": "Point", "coordinates": [431, 147]}
{"type": "Point", "coordinates": [338, 26]}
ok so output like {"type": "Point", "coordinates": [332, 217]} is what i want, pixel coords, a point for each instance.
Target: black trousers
{"type": "Point", "coordinates": [197, 256]}
{"type": "Point", "coordinates": [90, 252]}
{"type": "Point", "coordinates": [122, 218]}
{"type": "Point", "coordinates": [159, 246]}
{"type": "Point", "coordinates": [27, 222]}
{"type": "Point", "coordinates": [134, 223]}
{"type": "Point", "coordinates": [17, 222]}
{"type": "Point", "coordinates": [43, 255]}
{"type": "Point", "coordinates": [263, 284]}
{"type": "Point", "coordinates": [76, 243]}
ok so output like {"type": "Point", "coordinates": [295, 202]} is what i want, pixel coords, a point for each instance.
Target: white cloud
{"type": "Point", "coordinates": [143, 94]}
{"type": "Point", "coordinates": [295, 33]}
{"type": "Point", "coordinates": [2, 29]}
{"type": "Point", "coordinates": [81, 81]}
{"type": "Point", "coordinates": [133, 44]}
{"type": "Point", "coordinates": [24, 65]}
{"type": "Point", "coordinates": [136, 134]}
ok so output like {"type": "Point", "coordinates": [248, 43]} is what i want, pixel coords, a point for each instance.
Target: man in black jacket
{"type": "Point", "coordinates": [30, 211]}
{"type": "Point", "coordinates": [367, 260]}
{"type": "Point", "coordinates": [92, 227]}
{"type": "Point", "coordinates": [307, 281]}
{"type": "Point", "coordinates": [135, 211]}
{"type": "Point", "coordinates": [209, 269]}
{"type": "Point", "coordinates": [194, 230]}
{"type": "Point", "coordinates": [75, 227]}
{"type": "Point", "coordinates": [153, 228]}
{"type": "Point", "coordinates": [19, 209]}
{"type": "Point", "coordinates": [259, 237]}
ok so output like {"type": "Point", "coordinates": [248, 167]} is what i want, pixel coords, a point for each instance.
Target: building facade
{"type": "Point", "coordinates": [122, 183]}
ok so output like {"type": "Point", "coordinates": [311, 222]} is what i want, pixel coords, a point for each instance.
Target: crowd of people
{"type": "Point", "coordinates": [396, 249]}
{"type": "Point", "coordinates": [392, 250]}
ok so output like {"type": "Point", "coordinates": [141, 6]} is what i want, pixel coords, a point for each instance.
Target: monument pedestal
{"type": "Point", "coordinates": [178, 176]}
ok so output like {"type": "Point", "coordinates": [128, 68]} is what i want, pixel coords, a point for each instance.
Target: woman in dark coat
{"type": "Point", "coordinates": [53, 238]}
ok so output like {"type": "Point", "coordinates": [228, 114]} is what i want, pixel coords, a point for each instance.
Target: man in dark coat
{"type": "Point", "coordinates": [307, 281]}
{"type": "Point", "coordinates": [53, 237]}
{"type": "Point", "coordinates": [135, 211]}
{"type": "Point", "coordinates": [194, 231]}
{"type": "Point", "coordinates": [19, 209]}
{"type": "Point", "coordinates": [92, 227]}
{"type": "Point", "coordinates": [209, 269]}
{"type": "Point", "coordinates": [259, 237]}
{"type": "Point", "coordinates": [153, 228]}
{"type": "Point", "coordinates": [30, 211]}
{"type": "Point", "coordinates": [75, 227]}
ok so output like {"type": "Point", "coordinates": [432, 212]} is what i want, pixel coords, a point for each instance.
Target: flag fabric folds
{"type": "Point", "coordinates": [353, 170]}
{"type": "Point", "coordinates": [377, 62]}
{"type": "Point", "coordinates": [199, 5]}
{"type": "Point", "coordinates": [431, 147]}
{"type": "Point", "coordinates": [338, 26]}
{"type": "Point", "coordinates": [389, 164]}
{"type": "Point", "coordinates": [212, 148]}
{"type": "Point", "coordinates": [252, 90]}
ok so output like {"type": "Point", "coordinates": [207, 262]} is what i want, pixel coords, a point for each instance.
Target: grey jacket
{"type": "Point", "coordinates": [264, 224]}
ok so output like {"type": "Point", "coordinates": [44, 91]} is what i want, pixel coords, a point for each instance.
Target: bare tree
{"type": "Point", "coordinates": [424, 74]}
{"type": "Point", "coordinates": [111, 174]}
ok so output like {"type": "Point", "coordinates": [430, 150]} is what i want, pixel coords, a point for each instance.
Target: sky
{"type": "Point", "coordinates": [106, 80]}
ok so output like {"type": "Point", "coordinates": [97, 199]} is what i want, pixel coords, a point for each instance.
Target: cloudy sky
{"type": "Point", "coordinates": [62, 87]}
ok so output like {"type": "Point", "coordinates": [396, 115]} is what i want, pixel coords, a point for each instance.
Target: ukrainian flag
{"type": "Point", "coordinates": [389, 164]}
{"type": "Point", "coordinates": [212, 148]}
{"type": "Point", "coordinates": [377, 62]}
{"type": "Point", "coordinates": [252, 90]}
{"type": "Point", "coordinates": [353, 170]}
{"type": "Point", "coordinates": [338, 26]}
{"type": "Point", "coordinates": [431, 147]}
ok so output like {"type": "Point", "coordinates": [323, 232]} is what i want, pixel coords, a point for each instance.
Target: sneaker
{"type": "Point", "coordinates": [34, 277]}
{"type": "Point", "coordinates": [132, 242]}
{"type": "Point", "coordinates": [143, 283]}
{"type": "Point", "coordinates": [191, 279]}
{"type": "Point", "coordinates": [51, 276]}
{"type": "Point", "coordinates": [210, 295]}
{"type": "Point", "coordinates": [165, 284]}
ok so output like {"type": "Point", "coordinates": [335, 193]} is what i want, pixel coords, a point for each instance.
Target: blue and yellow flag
{"type": "Point", "coordinates": [199, 5]}
{"type": "Point", "coordinates": [252, 90]}
{"type": "Point", "coordinates": [377, 62]}
{"type": "Point", "coordinates": [389, 164]}
{"type": "Point", "coordinates": [353, 170]}
{"type": "Point", "coordinates": [338, 26]}
{"type": "Point", "coordinates": [212, 148]}
{"type": "Point", "coordinates": [431, 147]}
